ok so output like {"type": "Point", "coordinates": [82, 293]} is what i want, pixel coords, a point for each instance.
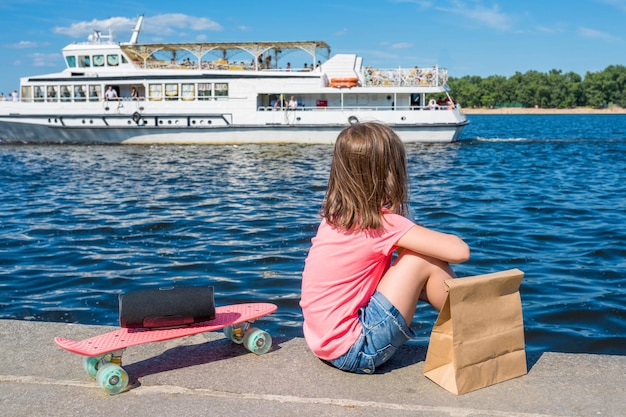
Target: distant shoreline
{"type": "Point", "coordinates": [525, 110]}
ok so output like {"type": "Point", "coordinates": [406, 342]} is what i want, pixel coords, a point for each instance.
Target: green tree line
{"type": "Point", "coordinates": [546, 90]}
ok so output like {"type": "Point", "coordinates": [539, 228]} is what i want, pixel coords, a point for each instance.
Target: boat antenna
{"type": "Point", "coordinates": [135, 36]}
{"type": "Point", "coordinates": [97, 37]}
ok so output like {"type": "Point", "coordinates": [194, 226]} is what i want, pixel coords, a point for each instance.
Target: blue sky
{"type": "Point", "coordinates": [469, 37]}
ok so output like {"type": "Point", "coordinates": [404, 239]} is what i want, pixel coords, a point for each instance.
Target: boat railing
{"type": "Point", "coordinates": [371, 77]}
{"type": "Point", "coordinates": [403, 77]}
{"type": "Point", "coordinates": [211, 65]}
{"type": "Point", "coordinates": [205, 65]}
{"type": "Point", "coordinates": [437, 107]}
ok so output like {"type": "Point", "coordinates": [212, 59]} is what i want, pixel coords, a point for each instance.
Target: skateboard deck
{"type": "Point", "coordinates": [103, 353]}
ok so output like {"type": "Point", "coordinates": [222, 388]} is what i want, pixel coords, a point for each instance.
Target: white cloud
{"type": "Point", "coordinates": [46, 60]}
{"type": "Point", "coordinates": [27, 44]}
{"type": "Point", "coordinates": [169, 22]}
{"type": "Point", "coordinates": [422, 3]}
{"type": "Point", "coordinates": [83, 29]}
{"type": "Point", "coordinates": [164, 24]}
{"type": "Point", "coordinates": [619, 4]}
{"type": "Point", "coordinates": [596, 34]}
{"type": "Point", "coordinates": [546, 29]}
{"type": "Point", "coordinates": [491, 17]}
{"type": "Point", "coordinates": [401, 45]}
{"type": "Point", "coordinates": [382, 54]}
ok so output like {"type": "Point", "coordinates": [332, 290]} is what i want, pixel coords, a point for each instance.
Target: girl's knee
{"type": "Point", "coordinates": [428, 274]}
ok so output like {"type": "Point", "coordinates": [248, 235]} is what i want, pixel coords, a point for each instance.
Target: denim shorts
{"type": "Point", "coordinates": [384, 331]}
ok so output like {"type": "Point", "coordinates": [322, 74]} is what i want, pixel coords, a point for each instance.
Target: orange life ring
{"type": "Point", "coordinates": [344, 82]}
{"type": "Point", "coordinates": [342, 85]}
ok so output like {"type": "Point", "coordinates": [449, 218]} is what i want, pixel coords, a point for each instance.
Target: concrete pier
{"type": "Point", "coordinates": [207, 375]}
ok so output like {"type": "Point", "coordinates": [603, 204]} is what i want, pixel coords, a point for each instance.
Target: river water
{"type": "Point", "coordinates": [545, 194]}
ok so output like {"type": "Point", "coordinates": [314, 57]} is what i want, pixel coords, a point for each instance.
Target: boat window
{"type": "Point", "coordinates": [79, 93]}
{"type": "Point", "coordinates": [26, 93]}
{"type": "Point", "coordinates": [38, 93]}
{"type": "Point", "coordinates": [155, 92]}
{"type": "Point", "coordinates": [204, 91]}
{"type": "Point", "coordinates": [221, 89]}
{"type": "Point", "coordinates": [171, 91]}
{"type": "Point", "coordinates": [188, 91]}
{"type": "Point", "coordinates": [113, 60]}
{"type": "Point", "coordinates": [84, 61]}
{"type": "Point", "coordinates": [124, 61]}
{"type": "Point", "coordinates": [71, 61]}
{"type": "Point", "coordinates": [65, 93]}
{"type": "Point", "coordinates": [52, 93]}
{"type": "Point", "coordinates": [94, 93]}
{"type": "Point", "coordinates": [98, 60]}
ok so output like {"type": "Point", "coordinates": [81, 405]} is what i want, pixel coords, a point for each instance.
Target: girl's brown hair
{"type": "Point", "coordinates": [368, 173]}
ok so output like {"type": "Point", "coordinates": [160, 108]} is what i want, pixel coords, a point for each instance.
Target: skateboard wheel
{"type": "Point", "coordinates": [257, 341]}
{"type": "Point", "coordinates": [112, 378]}
{"type": "Point", "coordinates": [91, 365]}
{"type": "Point", "coordinates": [231, 333]}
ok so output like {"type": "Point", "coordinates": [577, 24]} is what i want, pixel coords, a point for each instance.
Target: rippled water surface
{"type": "Point", "coordinates": [545, 194]}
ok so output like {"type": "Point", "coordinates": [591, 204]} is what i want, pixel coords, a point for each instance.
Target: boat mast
{"type": "Point", "coordinates": [135, 36]}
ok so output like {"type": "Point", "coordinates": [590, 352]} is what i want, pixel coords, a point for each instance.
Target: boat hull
{"type": "Point", "coordinates": [13, 132]}
{"type": "Point", "coordinates": [203, 129]}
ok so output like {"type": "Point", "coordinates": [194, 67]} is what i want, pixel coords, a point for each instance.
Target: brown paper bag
{"type": "Point", "coordinates": [478, 338]}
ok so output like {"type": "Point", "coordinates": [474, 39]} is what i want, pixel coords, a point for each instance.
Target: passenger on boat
{"type": "Point", "coordinates": [432, 104]}
{"type": "Point", "coordinates": [133, 94]}
{"type": "Point", "coordinates": [415, 100]}
{"type": "Point", "coordinates": [111, 94]}
{"type": "Point", "coordinates": [65, 94]}
{"type": "Point", "coordinates": [222, 63]}
{"type": "Point", "coordinates": [278, 103]}
{"type": "Point", "coordinates": [52, 94]}
{"type": "Point", "coordinates": [293, 104]}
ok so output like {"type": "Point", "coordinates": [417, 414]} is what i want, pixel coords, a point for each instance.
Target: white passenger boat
{"type": "Point", "coordinates": [177, 94]}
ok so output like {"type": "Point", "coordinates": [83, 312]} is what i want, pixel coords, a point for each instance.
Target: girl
{"type": "Point", "coordinates": [357, 306]}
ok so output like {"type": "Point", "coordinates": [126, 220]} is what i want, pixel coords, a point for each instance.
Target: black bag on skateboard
{"type": "Point", "coordinates": [166, 307]}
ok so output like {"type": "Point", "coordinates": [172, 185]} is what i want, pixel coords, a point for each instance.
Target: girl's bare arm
{"type": "Point", "coordinates": [443, 246]}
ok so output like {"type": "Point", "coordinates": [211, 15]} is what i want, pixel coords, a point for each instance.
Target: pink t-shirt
{"type": "Point", "coordinates": [340, 276]}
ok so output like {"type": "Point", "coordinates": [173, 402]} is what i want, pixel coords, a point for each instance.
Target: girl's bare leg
{"type": "Point", "coordinates": [414, 276]}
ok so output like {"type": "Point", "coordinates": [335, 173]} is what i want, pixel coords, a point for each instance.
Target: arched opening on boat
{"type": "Point", "coordinates": [164, 55]}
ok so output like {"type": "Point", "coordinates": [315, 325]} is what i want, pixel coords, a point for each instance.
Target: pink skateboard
{"type": "Point", "coordinates": [103, 353]}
